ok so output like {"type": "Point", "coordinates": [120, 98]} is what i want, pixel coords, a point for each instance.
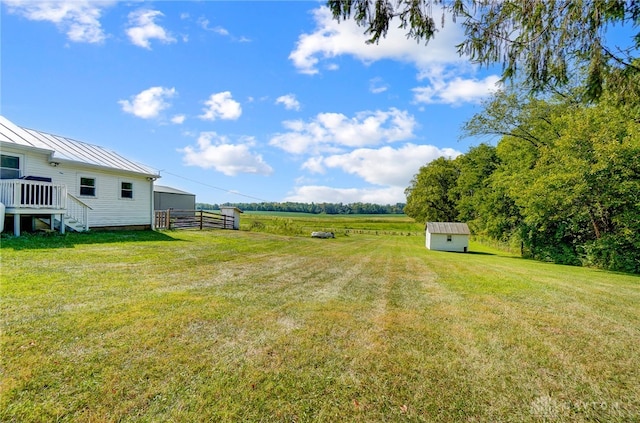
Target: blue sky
{"type": "Point", "coordinates": [241, 101]}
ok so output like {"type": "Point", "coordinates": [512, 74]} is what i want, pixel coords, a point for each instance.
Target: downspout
{"type": "Point", "coordinates": [151, 203]}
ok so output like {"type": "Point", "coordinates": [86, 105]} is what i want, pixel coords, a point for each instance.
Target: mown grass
{"type": "Point", "coordinates": [246, 326]}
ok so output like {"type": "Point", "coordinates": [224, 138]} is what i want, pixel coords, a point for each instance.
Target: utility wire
{"type": "Point", "coordinates": [215, 187]}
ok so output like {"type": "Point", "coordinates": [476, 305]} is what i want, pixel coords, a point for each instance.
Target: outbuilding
{"type": "Point", "coordinates": [447, 236]}
{"type": "Point", "coordinates": [165, 198]}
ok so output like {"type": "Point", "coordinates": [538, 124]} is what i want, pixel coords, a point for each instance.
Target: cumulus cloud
{"type": "Point", "coordinates": [79, 19]}
{"type": "Point", "coordinates": [148, 103]}
{"type": "Point", "coordinates": [178, 119]}
{"type": "Point", "coordinates": [143, 28]}
{"type": "Point", "coordinates": [332, 132]}
{"type": "Point", "coordinates": [221, 106]}
{"type": "Point", "coordinates": [450, 76]}
{"type": "Point", "coordinates": [289, 102]}
{"type": "Point", "coordinates": [457, 90]}
{"type": "Point", "coordinates": [331, 39]}
{"type": "Point", "coordinates": [383, 166]}
{"type": "Point", "coordinates": [217, 152]}
{"type": "Point", "coordinates": [388, 170]}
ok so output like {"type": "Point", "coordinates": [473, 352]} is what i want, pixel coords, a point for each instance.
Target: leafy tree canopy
{"type": "Point", "coordinates": [543, 42]}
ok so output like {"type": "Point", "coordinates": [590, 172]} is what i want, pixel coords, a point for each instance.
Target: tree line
{"type": "Point", "coordinates": [313, 208]}
{"type": "Point", "coordinates": [562, 183]}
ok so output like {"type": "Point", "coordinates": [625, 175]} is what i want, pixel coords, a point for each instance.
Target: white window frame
{"type": "Point", "coordinates": [121, 189]}
{"type": "Point", "coordinates": [95, 186]}
{"type": "Point", "coordinates": [20, 158]}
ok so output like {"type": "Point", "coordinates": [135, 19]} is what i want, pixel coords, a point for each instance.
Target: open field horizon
{"type": "Point", "coordinates": [258, 326]}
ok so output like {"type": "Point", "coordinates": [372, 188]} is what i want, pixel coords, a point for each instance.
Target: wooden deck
{"type": "Point", "coordinates": [26, 197]}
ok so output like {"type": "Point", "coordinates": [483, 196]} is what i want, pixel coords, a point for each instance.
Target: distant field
{"type": "Point", "coordinates": [230, 326]}
{"type": "Point", "coordinates": [303, 223]}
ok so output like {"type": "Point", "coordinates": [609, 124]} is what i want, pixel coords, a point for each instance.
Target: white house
{"type": "Point", "coordinates": [447, 236]}
{"type": "Point", "coordinates": [52, 178]}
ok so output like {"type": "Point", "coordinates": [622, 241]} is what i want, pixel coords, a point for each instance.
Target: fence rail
{"type": "Point", "coordinates": [191, 219]}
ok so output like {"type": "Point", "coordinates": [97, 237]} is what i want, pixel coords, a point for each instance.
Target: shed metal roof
{"type": "Point", "coordinates": [67, 149]}
{"type": "Point", "coordinates": [170, 190]}
{"type": "Point", "coordinates": [449, 228]}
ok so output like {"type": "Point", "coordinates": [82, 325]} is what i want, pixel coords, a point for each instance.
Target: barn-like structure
{"type": "Point", "coordinates": [447, 236]}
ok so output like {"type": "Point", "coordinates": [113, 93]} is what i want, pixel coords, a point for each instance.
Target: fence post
{"type": "Point", "coordinates": [201, 219]}
{"type": "Point", "coordinates": [168, 217]}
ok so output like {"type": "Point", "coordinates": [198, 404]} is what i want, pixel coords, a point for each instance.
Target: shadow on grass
{"type": "Point", "coordinates": [480, 253]}
{"type": "Point", "coordinates": [69, 240]}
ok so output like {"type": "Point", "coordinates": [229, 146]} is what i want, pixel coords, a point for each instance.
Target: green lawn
{"type": "Point", "coordinates": [251, 326]}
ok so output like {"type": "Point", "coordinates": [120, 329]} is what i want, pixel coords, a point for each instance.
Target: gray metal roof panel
{"type": "Point", "coordinates": [450, 228]}
{"type": "Point", "coordinates": [170, 190]}
{"type": "Point", "coordinates": [68, 149]}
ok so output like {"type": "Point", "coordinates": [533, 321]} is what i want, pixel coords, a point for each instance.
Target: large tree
{"type": "Point", "coordinates": [430, 197]}
{"type": "Point", "coordinates": [541, 41]}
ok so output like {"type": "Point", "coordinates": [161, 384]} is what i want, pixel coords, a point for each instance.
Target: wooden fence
{"type": "Point", "coordinates": [191, 219]}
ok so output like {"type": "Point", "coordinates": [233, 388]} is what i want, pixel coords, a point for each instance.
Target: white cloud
{"type": "Point", "coordinates": [457, 90]}
{"type": "Point", "coordinates": [388, 170]}
{"type": "Point", "coordinates": [221, 106]}
{"type": "Point", "coordinates": [218, 152]}
{"type": "Point", "coordinates": [204, 24]}
{"type": "Point", "coordinates": [79, 19]}
{"type": "Point", "coordinates": [438, 62]}
{"type": "Point", "coordinates": [325, 194]}
{"type": "Point", "coordinates": [377, 86]}
{"type": "Point", "coordinates": [143, 28]}
{"type": "Point", "coordinates": [148, 103]}
{"type": "Point", "coordinates": [331, 132]}
{"type": "Point", "coordinates": [178, 119]}
{"type": "Point", "coordinates": [332, 38]}
{"type": "Point", "coordinates": [289, 101]}
{"type": "Point", "coordinates": [383, 166]}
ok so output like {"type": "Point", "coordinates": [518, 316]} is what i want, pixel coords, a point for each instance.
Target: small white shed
{"type": "Point", "coordinates": [232, 212]}
{"type": "Point", "coordinates": [447, 236]}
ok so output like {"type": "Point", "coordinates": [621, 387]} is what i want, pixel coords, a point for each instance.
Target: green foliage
{"type": "Point", "coordinates": [563, 180]}
{"type": "Point", "coordinates": [540, 42]}
{"type": "Point", "coordinates": [619, 252]}
{"type": "Point", "coordinates": [430, 197]}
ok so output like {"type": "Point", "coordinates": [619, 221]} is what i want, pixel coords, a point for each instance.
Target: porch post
{"type": "Point", "coordinates": [62, 223]}
{"type": "Point", "coordinates": [16, 224]}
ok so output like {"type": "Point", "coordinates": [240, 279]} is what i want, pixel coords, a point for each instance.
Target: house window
{"type": "Point", "coordinates": [449, 238]}
{"type": "Point", "coordinates": [126, 190]}
{"type": "Point", "coordinates": [9, 167]}
{"type": "Point", "coordinates": [88, 187]}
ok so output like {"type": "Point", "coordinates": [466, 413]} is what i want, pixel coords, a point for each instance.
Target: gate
{"type": "Point", "coordinates": [191, 219]}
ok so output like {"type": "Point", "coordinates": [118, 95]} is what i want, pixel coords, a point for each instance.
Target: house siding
{"type": "Point", "coordinates": [108, 208]}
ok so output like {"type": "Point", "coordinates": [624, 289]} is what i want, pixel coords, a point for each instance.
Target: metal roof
{"type": "Point", "coordinates": [170, 190]}
{"type": "Point", "coordinates": [67, 149]}
{"type": "Point", "coordinates": [449, 228]}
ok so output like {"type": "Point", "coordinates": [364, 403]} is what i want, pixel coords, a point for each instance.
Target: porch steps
{"type": "Point", "coordinates": [70, 223]}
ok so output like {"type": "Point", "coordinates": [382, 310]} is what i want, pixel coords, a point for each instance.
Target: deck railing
{"type": "Point", "coordinates": [26, 194]}
{"type": "Point", "coordinates": [78, 212]}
